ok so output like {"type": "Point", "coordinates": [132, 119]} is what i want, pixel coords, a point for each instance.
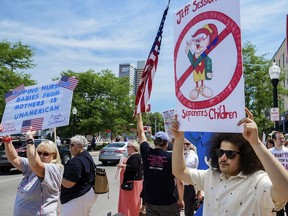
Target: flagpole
{"type": "Point", "coordinates": [54, 130]}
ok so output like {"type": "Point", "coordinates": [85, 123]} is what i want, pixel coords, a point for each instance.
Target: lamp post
{"type": "Point", "coordinates": [74, 111]}
{"type": "Point", "coordinates": [274, 73]}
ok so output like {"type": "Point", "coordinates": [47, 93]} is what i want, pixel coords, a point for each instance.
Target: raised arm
{"type": "Point", "coordinates": [11, 153]}
{"type": "Point", "coordinates": [140, 129]}
{"type": "Point", "coordinates": [35, 163]}
{"type": "Point", "coordinates": [179, 168]}
{"type": "Point", "coordinates": [275, 170]}
{"type": "Point", "coordinates": [180, 191]}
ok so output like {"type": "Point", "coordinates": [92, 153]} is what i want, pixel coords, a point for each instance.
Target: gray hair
{"type": "Point", "coordinates": [80, 140]}
{"type": "Point", "coordinates": [135, 145]}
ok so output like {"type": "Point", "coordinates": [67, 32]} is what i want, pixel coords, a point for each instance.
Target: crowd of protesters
{"type": "Point", "coordinates": [245, 176]}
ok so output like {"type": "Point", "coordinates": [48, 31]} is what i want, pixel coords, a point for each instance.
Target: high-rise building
{"type": "Point", "coordinates": [128, 70]}
{"type": "Point", "coordinates": [134, 74]}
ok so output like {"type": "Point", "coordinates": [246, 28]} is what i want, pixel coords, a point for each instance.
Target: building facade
{"type": "Point", "coordinates": [134, 74]}
{"type": "Point", "coordinates": [281, 59]}
{"type": "Point", "coordinates": [128, 70]}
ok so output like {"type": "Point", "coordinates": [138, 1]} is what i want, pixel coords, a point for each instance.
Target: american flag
{"type": "Point", "coordinates": [71, 82]}
{"type": "Point", "coordinates": [35, 123]}
{"type": "Point", "coordinates": [13, 93]}
{"type": "Point", "coordinates": [145, 86]}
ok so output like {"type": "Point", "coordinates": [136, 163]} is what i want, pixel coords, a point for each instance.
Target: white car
{"type": "Point", "coordinates": [112, 152]}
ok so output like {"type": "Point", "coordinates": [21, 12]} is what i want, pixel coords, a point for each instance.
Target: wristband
{"type": "Point", "coordinates": [29, 141]}
{"type": "Point", "coordinates": [7, 139]}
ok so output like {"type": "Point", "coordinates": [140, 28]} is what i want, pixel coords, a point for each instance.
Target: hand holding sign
{"type": "Point", "coordinates": [30, 134]}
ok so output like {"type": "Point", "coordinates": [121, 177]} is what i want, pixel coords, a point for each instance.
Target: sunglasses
{"type": "Point", "coordinates": [129, 146]}
{"type": "Point", "coordinates": [187, 144]}
{"type": "Point", "coordinates": [45, 154]}
{"type": "Point", "coordinates": [229, 153]}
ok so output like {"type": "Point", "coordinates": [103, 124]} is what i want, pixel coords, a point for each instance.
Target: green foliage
{"type": "Point", "coordinates": [102, 101]}
{"type": "Point", "coordinates": [13, 56]}
{"type": "Point", "coordinates": [258, 87]}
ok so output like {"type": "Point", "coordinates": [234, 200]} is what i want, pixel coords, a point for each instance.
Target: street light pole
{"type": "Point", "coordinates": [74, 111]}
{"type": "Point", "coordinates": [274, 73]}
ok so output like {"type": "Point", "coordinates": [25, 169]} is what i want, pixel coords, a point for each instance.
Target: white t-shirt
{"type": "Point", "coordinates": [237, 196]}
{"type": "Point", "coordinates": [191, 159]}
{"type": "Point", "coordinates": [281, 155]}
{"type": "Point", "coordinates": [37, 196]}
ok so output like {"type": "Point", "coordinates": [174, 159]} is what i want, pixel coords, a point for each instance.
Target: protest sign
{"type": "Point", "coordinates": [41, 106]}
{"type": "Point", "coordinates": [209, 83]}
{"type": "Point", "coordinates": [169, 117]}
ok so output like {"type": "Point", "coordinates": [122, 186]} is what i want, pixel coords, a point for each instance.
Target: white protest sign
{"type": "Point", "coordinates": [41, 106]}
{"type": "Point", "coordinates": [169, 117]}
{"type": "Point", "coordinates": [209, 82]}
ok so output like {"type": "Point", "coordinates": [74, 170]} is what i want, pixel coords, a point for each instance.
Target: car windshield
{"type": "Point", "coordinates": [119, 145]}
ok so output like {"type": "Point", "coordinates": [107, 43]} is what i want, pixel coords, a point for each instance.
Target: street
{"type": "Point", "coordinates": [106, 204]}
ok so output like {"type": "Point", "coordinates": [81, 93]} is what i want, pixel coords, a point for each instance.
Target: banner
{"type": "Point", "coordinates": [209, 83]}
{"type": "Point", "coordinates": [41, 106]}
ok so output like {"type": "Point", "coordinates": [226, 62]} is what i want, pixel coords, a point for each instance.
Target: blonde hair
{"type": "Point", "coordinates": [50, 147]}
{"type": "Point", "coordinates": [134, 145]}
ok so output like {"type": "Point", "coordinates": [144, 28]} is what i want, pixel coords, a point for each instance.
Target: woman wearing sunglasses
{"type": "Point", "coordinates": [129, 200]}
{"type": "Point", "coordinates": [77, 195]}
{"type": "Point", "coordinates": [236, 183]}
{"type": "Point", "coordinates": [39, 191]}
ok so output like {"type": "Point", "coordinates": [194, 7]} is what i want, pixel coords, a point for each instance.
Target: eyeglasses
{"type": "Point", "coordinates": [229, 153]}
{"type": "Point", "coordinates": [187, 144]}
{"type": "Point", "coordinates": [72, 144]}
{"type": "Point", "coordinates": [45, 154]}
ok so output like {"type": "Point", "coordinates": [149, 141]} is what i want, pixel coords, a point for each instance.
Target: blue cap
{"type": "Point", "coordinates": [160, 135]}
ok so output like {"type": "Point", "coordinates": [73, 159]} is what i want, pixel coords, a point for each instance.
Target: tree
{"type": "Point", "coordinates": [258, 88]}
{"type": "Point", "coordinates": [14, 56]}
{"type": "Point", "coordinates": [102, 101]}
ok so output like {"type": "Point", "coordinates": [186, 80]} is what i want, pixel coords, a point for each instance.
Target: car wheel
{"type": "Point", "coordinates": [5, 169]}
{"type": "Point", "coordinates": [66, 158]}
{"type": "Point", "coordinates": [104, 162]}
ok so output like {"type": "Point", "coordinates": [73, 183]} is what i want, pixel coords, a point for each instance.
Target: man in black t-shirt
{"type": "Point", "coordinates": [159, 182]}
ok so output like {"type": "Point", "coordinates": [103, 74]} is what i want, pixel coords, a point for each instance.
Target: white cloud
{"type": "Point", "coordinates": [99, 35]}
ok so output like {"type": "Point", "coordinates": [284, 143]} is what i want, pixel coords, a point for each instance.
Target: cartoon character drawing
{"type": "Point", "coordinates": [202, 64]}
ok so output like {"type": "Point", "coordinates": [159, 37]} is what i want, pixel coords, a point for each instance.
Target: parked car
{"type": "Point", "coordinates": [112, 152]}
{"type": "Point", "coordinates": [20, 146]}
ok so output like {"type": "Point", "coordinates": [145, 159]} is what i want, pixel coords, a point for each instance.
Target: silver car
{"type": "Point", "coordinates": [113, 152]}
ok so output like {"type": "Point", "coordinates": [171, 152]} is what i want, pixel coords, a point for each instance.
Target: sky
{"type": "Point", "coordinates": [101, 34]}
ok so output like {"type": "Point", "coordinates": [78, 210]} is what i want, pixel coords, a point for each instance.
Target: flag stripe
{"type": "Point", "coordinates": [146, 83]}
{"type": "Point", "coordinates": [36, 124]}
{"type": "Point", "coordinates": [13, 93]}
{"type": "Point", "coordinates": [68, 82]}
